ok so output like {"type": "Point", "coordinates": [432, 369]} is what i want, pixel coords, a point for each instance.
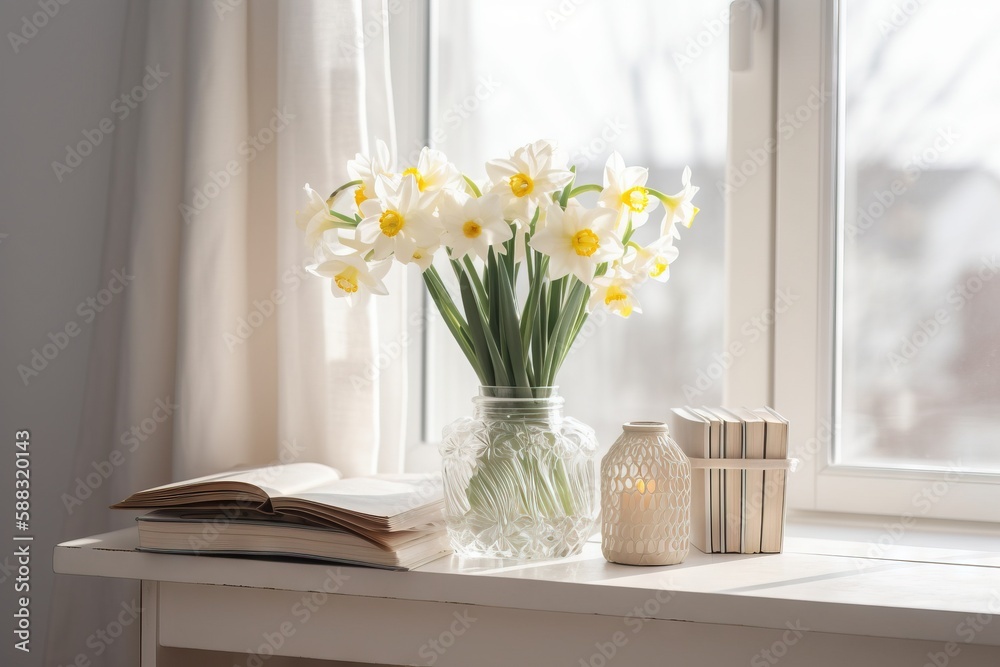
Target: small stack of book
{"type": "Point", "coordinates": [303, 510]}
{"type": "Point", "coordinates": [736, 506]}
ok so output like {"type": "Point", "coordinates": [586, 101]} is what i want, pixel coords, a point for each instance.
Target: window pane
{"type": "Point", "coordinates": [650, 82]}
{"type": "Point", "coordinates": [920, 310]}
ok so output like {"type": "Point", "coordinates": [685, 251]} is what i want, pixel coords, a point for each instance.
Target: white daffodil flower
{"type": "Point", "coordinates": [422, 257]}
{"type": "Point", "coordinates": [367, 169]}
{"type": "Point", "coordinates": [351, 277]}
{"type": "Point", "coordinates": [616, 292]}
{"type": "Point", "coordinates": [527, 179]}
{"type": "Point", "coordinates": [399, 220]}
{"type": "Point", "coordinates": [473, 225]}
{"type": "Point", "coordinates": [679, 207]}
{"type": "Point", "coordinates": [339, 242]}
{"type": "Point", "coordinates": [652, 260]}
{"type": "Point", "coordinates": [316, 218]}
{"type": "Point", "coordinates": [434, 173]}
{"type": "Point", "coordinates": [577, 240]}
{"type": "Point", "coordinates": [625, 192]}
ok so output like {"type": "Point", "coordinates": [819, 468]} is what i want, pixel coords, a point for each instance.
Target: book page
{"type": "Point", "coordinates": [275, 480]}
{"type": "Point", "coordinates": [381, 496]}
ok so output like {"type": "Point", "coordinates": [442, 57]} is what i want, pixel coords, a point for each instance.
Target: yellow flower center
{"type": "Point", "coordinates": [636, 198]}
{"type": "Point", "coordinates": [390, 222]}
{"type": "Point", "coordinates": [413, 171]}
{"type": "Point", "coordinates": [347, 280]}
{"type": "Point", "coordinates": [659, 266]}
{"type": "Point", "coordinates": [585, 242]}
{"type": "Point", "coordinates": [521, 185]}
{"type": "Point", "coordinates": [359, 195]}
{"type": "Point", "coordinates": [472, 229]}
{"type": "Point", "coordinates": [616, 296]}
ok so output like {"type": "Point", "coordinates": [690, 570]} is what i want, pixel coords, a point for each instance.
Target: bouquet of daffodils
{"type": "Point", "coordinates": [525, 222]}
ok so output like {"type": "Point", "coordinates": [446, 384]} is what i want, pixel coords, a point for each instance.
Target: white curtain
{"type": "Point", "coordinates": [224, 351]}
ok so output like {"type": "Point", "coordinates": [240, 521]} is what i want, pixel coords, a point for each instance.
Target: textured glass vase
{"type": "Point", "coordinates": [519, 477]}
{"type": "Point", "coordinates": [646, 497]}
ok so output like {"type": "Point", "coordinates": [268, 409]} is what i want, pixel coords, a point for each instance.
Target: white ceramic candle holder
{"type": "Point", "coordinates": [645, 498]}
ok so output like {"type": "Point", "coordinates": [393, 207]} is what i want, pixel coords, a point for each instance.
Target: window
{"type": "Point", "coordinates": [920, 311]}
{"type": "Point", "coordinates": [816, 276]}
{"type": "Point", "coordinates": [598, 80]}
{"type": "Point", "coordinates": [888, 364]}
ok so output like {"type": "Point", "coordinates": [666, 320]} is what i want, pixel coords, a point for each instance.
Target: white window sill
{"type": "Point", "coordinates": [842, 594]}
{"type": "Point", "coordinates": [897, 538]}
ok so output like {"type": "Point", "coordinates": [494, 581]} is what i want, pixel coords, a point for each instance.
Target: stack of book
{"type": "Point", "coordinates": [737, 506]}
{"type": "Point", "coordinates": [301, 510]}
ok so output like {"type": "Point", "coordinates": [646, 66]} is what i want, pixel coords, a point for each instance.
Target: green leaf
{"type": "Point", "coordinates": [353, 222]}
{"type": "Point", "coordinates": [512, 336]}
{"type": "Point", "coordinates": [535, 287]}
{"type": "Point", "coordinates": [538, 338]}
{"type": "Point", "coordinates": [493, 294]}
{"type": "Point", "coordinates": [556, 289]}
{"type": "Point", "coordinates": [476, 282]}
{"type": "Point", "coordinates": [452, 319]}
{"type": "Point", "coordinates": [478, 335]}
{"type": "Point", "coordinates": [564, 327]}
{"type": "Point", "coordinates": [580, 319]}
{"type": "Point", "coordinates": [472, 185]}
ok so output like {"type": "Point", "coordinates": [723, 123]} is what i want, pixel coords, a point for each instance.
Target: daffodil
{"type": "Point", "coordinates": [652, 260]}
{"type": "Point", "coordinates": [316, 217]}
{"type": "Point", "coordinates": [434, 173]}
{"type": "Point", "coordinates": [398, 220]}
{"type": "Point", "coordinates": [367, 169]}
{"type": "Point", "coordinates": [577, 240]}
{"type": "Point", "coordinates": [527, 179]}
{"type": "Point", "coordinates": [625, 192]}
{"type": "Point", "coordinates": [679, 207]}
{"type": "Point", "coordinates": [351, 277]}
{"type": "Point", "coordinates": [422, 257]}
{"type": "Point", "coordinates": [513, 334]}
{"type": "Point", "coordinates": [616, 292]}
{"type": "Point", "coordinates": [473, 225]}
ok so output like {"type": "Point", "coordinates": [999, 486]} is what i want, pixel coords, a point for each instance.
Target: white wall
{"type": "Point", "coordinates": [58, 84]}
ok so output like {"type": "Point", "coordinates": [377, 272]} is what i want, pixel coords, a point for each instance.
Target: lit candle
{"type": "Point", "coordinates": [651, 523]}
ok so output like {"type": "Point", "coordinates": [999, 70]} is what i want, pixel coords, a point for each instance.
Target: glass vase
{"type": "Point", "coordinates": [519, 478]}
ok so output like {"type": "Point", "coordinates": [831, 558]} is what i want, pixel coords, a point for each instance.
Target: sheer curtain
{"type": "Point", "coordinates": [224, 351]}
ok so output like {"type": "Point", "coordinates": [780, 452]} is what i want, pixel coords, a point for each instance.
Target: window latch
{"type": "Point", "coordinates": [745, 18]}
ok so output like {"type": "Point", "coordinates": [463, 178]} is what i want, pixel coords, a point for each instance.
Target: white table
{"type": "Point", "coordinates": [801, 608]}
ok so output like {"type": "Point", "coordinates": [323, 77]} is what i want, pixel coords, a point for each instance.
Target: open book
{"type": "Point", "coordinates": [298, 509]}
{"type": "Point", "coordinates": [309, 491]}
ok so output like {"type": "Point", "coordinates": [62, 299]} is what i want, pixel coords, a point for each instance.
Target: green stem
{"type": "Point", "coordinates": [564, 197]}
{"type": "Point", "coordinates": [345, 186]}
{"type": "Point", "coordinates": [627, 236]}
{"type": "Point", "coordinates": [589, 187]}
